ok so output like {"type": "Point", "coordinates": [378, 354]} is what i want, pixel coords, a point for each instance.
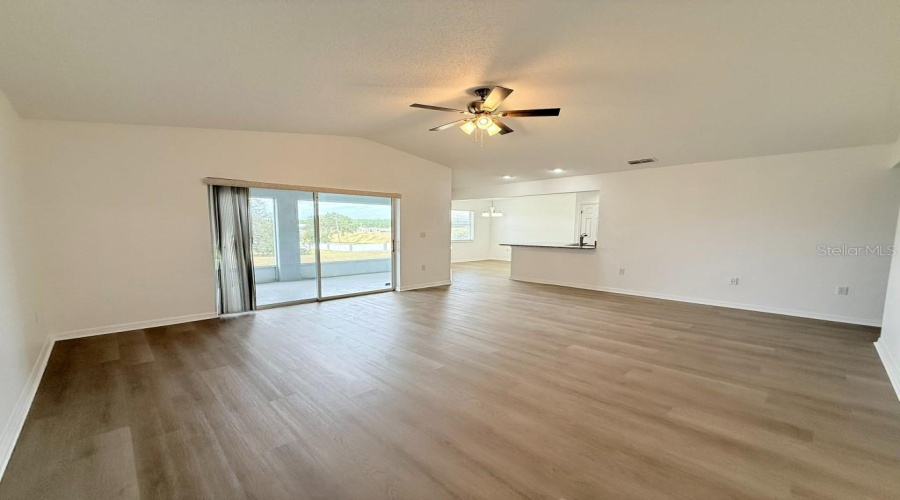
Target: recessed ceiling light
{"type": "Point", "coordinates": [507, 177]}
{"type": "Point", "coordinates": [557, 170]}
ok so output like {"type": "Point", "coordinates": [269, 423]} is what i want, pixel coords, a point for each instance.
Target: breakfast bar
{"type": "Point", "coordinates": [552, 263]}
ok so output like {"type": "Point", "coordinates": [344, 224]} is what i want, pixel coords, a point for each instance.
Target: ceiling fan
{"type": "Point", "coordinates": [483, 114]}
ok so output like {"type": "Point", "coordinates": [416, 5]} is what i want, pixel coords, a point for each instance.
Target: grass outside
{"type": "Point", "coordinates": [263, 260]}
{"type": "Point", "coordinates": [327, 256]}
{"type": "Point", "coordinates": [358, 238]}
{"type": "Point", "coordinates": [337, 255]}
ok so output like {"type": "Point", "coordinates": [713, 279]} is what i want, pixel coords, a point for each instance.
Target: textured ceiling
{"type": "Point", "coordinates": [682, 81]}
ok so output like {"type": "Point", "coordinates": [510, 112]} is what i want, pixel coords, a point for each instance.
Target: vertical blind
{"type": "Point", "coordinates": [230, 217]}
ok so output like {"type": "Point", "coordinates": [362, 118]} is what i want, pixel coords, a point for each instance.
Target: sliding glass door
{"type": "Point", "coordinates": [355, 250]}
{"type": "Point", "coordinates": [310, 246]}
{"type": "Point", "coordinates": [284, 257]}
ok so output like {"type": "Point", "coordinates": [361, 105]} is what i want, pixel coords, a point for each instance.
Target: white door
{"type": "Point", "coordinates": [587, 221]}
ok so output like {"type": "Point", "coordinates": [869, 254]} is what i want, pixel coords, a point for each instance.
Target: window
{"type": "Point", "coordinates": [462, 225]}
{"type": "Point", "coordinates": [262, 222]}
{"type": "Point", "coordinates": [354, 228]}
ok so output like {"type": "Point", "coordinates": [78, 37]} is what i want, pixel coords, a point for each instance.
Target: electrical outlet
{"type": "Point", "coordinates": [622, 271]}
{"type": "Point", "coordinates": [733, 281]}
{"type": "Point", "coordinates": [423, 267]}
{"type": "Point", "coordinates": [843, 290]}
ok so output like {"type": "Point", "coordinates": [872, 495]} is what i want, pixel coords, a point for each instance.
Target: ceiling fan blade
{"type": "Point", "coordinates": [503, 128]}
{"type": "Point", "coordinates": [438, 108]}
{"type": "Point", "coordinates": [521, 113]}
{"type": "Point", "coordinates": [495, 98]}
{"type": "Point", "coordinates": [447, 125]}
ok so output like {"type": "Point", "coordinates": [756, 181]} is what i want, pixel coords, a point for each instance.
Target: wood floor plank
{"type": "Point", "coordinates": [487, 389]}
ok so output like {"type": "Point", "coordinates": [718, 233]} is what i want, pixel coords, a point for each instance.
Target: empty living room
{"type": "Point", "coordinates": [423, 249]}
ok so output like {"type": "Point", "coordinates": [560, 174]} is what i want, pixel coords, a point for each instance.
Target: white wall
{"type": "Point", "coordinates": [682, 232]}
{"type": "Point", "coordinates": [895, 154]}
{"type": "Point", "coordinates": [21, 336]}
{"type": "Point", "coordinates": [124, 223]}
{"type": "Point", "coordinates": [532, 219]}
{"type": "Point", "coordinates": [525, 219]}
{"type": "Point", "coordinates": [889, 343]}
{"type": "Point", "coordinates": [480, 247]}
{"type": "Point", "coordinates": [587, 197]}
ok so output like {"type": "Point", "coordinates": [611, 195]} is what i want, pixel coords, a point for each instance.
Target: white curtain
{"type": "Point", "coordinates": [230, 213]}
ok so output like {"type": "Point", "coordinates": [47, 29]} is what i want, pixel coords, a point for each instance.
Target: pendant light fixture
{"type": "Point", "coordinates": [493, 213]}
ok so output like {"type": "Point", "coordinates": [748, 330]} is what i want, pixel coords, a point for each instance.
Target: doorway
{"type": "Point", "coordinates": [310, 246]}
{"type": "Point", "coordinates": [588, 216]}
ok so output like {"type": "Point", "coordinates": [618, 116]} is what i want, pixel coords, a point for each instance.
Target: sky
{"type": "Point", "coordinates": [355, 211]}
{"type": "Point", "coordinates": [357, 207]}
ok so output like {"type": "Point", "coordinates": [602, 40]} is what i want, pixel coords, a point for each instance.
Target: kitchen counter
{"type": "Point", "coordinates": [555, 263]}
{"type": "Point", "coordinates": [568, 246]}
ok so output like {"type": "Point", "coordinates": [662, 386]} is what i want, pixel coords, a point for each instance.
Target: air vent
{"type": "Point", "coordinates": [642, 160]}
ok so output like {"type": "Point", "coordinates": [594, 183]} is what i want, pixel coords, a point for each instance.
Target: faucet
{"type": "Point", "coordinates": [581, 239]}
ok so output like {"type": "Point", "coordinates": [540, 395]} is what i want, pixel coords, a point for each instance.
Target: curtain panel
{"type": "Point", "coordinates": [232, 243]}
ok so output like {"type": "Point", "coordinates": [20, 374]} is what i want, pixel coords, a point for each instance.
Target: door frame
{"type": "Point", "coordinates": [578, 228]}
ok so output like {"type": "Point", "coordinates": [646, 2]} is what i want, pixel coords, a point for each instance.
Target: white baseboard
{"type": "Point", "coordinates": [13, 427]}
{"type": "Point", "coordinates": [891, 365]}
{"type": "Point", "coordinates": [468, 260]}
{"type": "Point", "coordinates": [729, 305]}
{"type": "Point", "coordinates": [423, 285]}
{"type": "Point", "coordinates": [127, 327]}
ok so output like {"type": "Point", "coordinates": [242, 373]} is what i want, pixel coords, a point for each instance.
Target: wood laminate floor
{"type": "Point", "coordinates": [487, 389]}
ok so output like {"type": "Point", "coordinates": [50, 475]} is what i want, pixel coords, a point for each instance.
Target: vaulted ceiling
{"type": "Point", "coordinates": [683, 81]}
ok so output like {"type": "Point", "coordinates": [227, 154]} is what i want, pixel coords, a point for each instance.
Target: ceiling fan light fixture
{"type": "Point", "coordinates": [468, 127]}
{"type": "Point", "coordinates": [483, 113]}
